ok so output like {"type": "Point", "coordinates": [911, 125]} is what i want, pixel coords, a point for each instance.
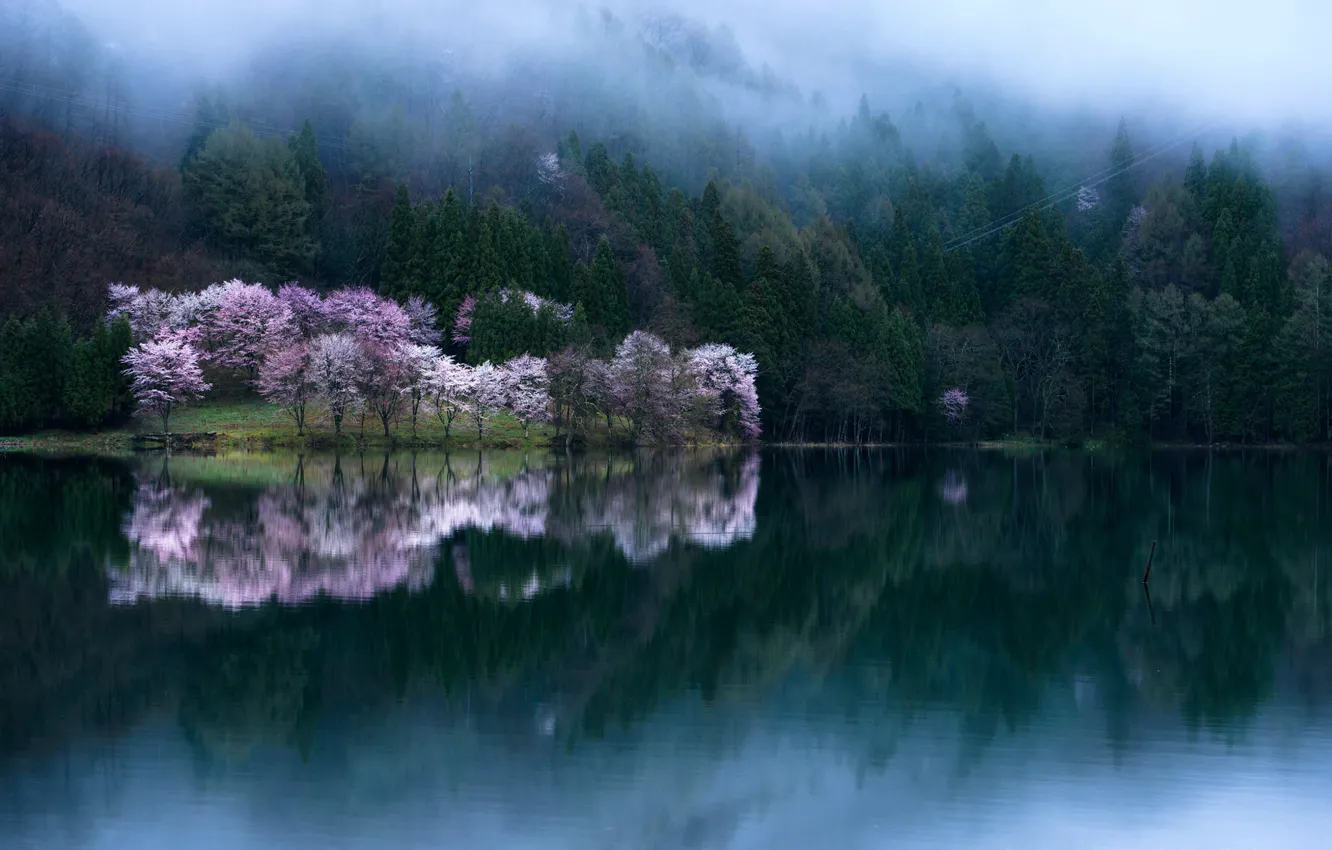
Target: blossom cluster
{"type": "Point", "coordinates": [354, 352]}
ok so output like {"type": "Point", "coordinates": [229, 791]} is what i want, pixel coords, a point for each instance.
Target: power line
{"type": "Point", "coordinates": [1068, 192]}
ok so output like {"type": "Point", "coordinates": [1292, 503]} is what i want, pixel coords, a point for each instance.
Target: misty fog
{"type": "Point", "coordinates": [1255, 63]}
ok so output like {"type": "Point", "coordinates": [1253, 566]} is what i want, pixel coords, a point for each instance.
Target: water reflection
{"type": "Point", "coordinates": [351, 527]}
{"type": "Point", "coordinates": [876, 659]}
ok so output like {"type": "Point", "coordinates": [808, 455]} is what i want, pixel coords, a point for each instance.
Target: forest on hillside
{"type": "Point", "coordinates": [1136, 288]}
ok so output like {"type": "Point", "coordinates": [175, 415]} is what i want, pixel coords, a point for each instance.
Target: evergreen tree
{"type": "Point", "coordinates": [395, 275]}
{"type": "Point", "coordinates": [250, 197]}
{"type": "Point", "coordinates": [600, 289]}
{"type": "Point", "coordinates": [726, 254]}
{"type": "Point", "coordinates": [1025, 271]}
{"type": "Point", "coordinates": [305, 152]}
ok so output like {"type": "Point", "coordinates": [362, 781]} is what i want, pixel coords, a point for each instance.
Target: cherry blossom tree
{"type": "Point", "coordinates": [601, 390]}
{"type": "Point", "coordinates": [164, 374]}
{"type": "Point", "coordinates": [462, 322]}
{"type": "Point", "coordinates": [418, 366]}
{"type": "Point", "coordinates": [550, 173]}
{"type": "Point", "coordinates": [193, 312]}
{"type": "Point", "coordinates": [149, 313]}
{"type": "Point", "coordinates": [576, 384]}
{"type": "Point", "coordinates": [369, 317]}
{"type": "Point", "coordinates": [527, 390]}
{"type": "Point", "coordinates": [953, 404]}
{"type": "Point", "coordinates": [308, 312]}
{"type": "Point", "coordinates": [249, 321]}
{"type": "Point", "coordinates": [384, 378]}
{"type": "Point", "coordinates": [725, 381]}
{"type": "Point", "coordinates": [286, 378]}
{"type": "Point", "coordinates": [335, 360]}
{"type": "Point", "coordinates": [487, 396]}
{"type": "Point", "coordinates": [450, 385]}
{"type": "Point", "coordinates": [423, 320]}
{"type": "Point", "coordinates": [640, 377]}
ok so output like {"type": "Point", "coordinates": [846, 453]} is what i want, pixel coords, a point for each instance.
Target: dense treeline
{"type": "Point", "coordinates": [49, 378]}
{"type": "Point", "coordinates": [1180, 301]}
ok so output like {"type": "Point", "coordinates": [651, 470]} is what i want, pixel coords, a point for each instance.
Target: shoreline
{"type": "Point", "coordinates": [125, 442]}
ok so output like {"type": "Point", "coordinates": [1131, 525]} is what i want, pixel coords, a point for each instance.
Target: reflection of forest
{"type": "Point", "coordinates": [979, 582]}
{"type": "Point", "coordinates": [349, 528]}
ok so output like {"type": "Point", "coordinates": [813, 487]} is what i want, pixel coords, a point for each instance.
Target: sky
{"type": "Point", "coordinates": [1260, 62]}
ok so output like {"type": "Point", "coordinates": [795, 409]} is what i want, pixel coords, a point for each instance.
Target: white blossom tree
{"type": "Point", "coordinates": [336, 363]}
{"type": "Point", "coordinates": [418, 366]}
{"type": "Point", "coordinates": [450, 385]}
{"type": "Point", "coordinates": [423, 321]}
{"type": "Point", "coordinates": [527, 390]}
{"type": "Point", "coordinates": [149, 313]}
{"type": "Point", "coordinates": [640, 377]}
{"type": "Point", "coordinates": [487, 395]}
{"type": "Point", "coordinates": [725, 382]}
{"type": "Point", "coordinates": [164, 374]}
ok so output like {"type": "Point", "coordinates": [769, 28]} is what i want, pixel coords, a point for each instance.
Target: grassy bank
{"type": "Point", "coordinates": [253, 425]}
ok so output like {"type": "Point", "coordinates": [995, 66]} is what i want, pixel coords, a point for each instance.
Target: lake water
{"type": "Point", "coordinates": [667, 650]}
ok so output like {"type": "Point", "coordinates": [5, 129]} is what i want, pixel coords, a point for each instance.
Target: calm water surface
{"type": "Point", "coordinates": [666, 650]}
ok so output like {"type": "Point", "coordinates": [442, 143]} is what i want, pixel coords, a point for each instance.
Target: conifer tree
{"type": "Point", "coordinates": [395, 275]}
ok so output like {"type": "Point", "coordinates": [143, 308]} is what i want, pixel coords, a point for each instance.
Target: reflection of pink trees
{"type": "Point", "coordinates": [166, 520]}
{"type": "Point", "coordinates": [347, 532]}
{"type": "Point", "coordinates": [953, 488]}
{"type": "Point", "coordinates": [350, 529]}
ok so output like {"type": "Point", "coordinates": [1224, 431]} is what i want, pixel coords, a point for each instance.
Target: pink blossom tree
{"type": "Point", "coordinates": [308, 313]}
{"type": "Point", "coordinates": [487, 396]}
{"type": "Point", "coordinates": [383, 379]}
{"type": "Point", "coordinates": [369, 317]}
{"type": "Point", "coordinates": [248, 322]}
{"type": "Point", "coordinates": [640, 378]}
{"type": "Point", "coordinates": [725, 382]}
{"type": "Point", "coordinates": [527, 390]}
{"type": "Point", "coordinates": [462, 322]}
{"type": "Point", "coordinates": [335, 361]}
{"type": "Point", "coordinates": [451, 384]}
{"type": "Point", "coordinates": [164, 374]}
{"type": "Point", "coordinates": [286, 378]}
